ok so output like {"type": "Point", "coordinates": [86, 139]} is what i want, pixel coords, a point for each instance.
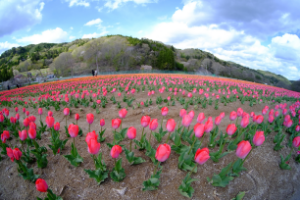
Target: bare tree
{"type": "Point", "coordinates": [63, 64]}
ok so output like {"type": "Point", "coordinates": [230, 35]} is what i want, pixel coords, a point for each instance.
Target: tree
{"type": "Point", "coordinates": [63, 64]}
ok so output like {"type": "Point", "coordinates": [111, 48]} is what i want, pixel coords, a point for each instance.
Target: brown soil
{"type": "Point", "coordinates": [262, 180]}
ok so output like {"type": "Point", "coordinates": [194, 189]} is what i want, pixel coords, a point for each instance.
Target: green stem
{"type": "Point", "coordinates": [150, 137]}
{"type": "Point", "coordinates": [66, 121]}
{"type": "Point", "coordinates": [94, 159]}
{"type": "Point", "coordinates": [193, 169]}
{"type": "Point", "coordinates": [181, 132]}
{"type": "Point", "coordinates": [156, 166]}
{"type": "Point", "coordinates": [192, 145]}
{"type": "Point", "coordinates": [114, 132]}
{"type": "Point", "coordinates": [247, 155]}
{"type": "Point", "coordinates": [74, 142]}
{"type": "Point", "coordinates": [168, 137]}
{"type": "Point", "coordinates": [143, 132]}
{"type": "Point", "coordinates": [202, 138]}
{"type": "Point", "coordinates": [35, 144]}
{"type": "Point", "coordinates": [130, 144]}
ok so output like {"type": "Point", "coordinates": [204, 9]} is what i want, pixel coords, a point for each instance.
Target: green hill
{"type": "Point", "coordinates": [118, 53]}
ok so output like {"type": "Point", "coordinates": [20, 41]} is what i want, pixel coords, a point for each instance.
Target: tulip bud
{"type": "Point", "coordinates": [41, 185]}
{"type": "Point", "coordinates": [115, 123]}
{"type": "Point", "coordinates": [145, 120]}
{"type": "Point", "coordinates": [201, 156]}
{"type": "Point", "coordinates": [243, 148]}
{"type": "Point", "coordinates": [131, 133]}
{"type": "Point", "coordinates": [90, 118]}
{"type": "Point", "coordinates": [231, 129]}
{"type": "Point", "coordinates": [102, 122]}
{"type": "Point", "coordinates": [171, 124]}
{"type": "Point", "coordinates": [153, 124]}
{"type": "Point", "coordinates": [199, 130]}
{"type": "Point", "coordinates": [164, 111]}
{"type": "Point", "coordinates": [163, 152]}
{"type": "Point", "coordinates": [115, 151]}
{"type": "Point", "coordinates": [122, 113]}
{"type": "Point", "coordinates": [259, 138]}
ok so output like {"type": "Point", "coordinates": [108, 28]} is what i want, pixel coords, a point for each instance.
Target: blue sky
{"type": "Point", "coordinates": [257, 34]}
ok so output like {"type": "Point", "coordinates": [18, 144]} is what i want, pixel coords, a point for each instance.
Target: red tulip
{"type": "Point", "coordinates": [145, 120]}
{"type": "Point", "coordinates": [232, 115]}
{"type": "Point", "coordinates": [41, 185]}
{"type": "Point", "coordinates": [93, 146]}
{"type": "Point", "coordinates": [91, 135]}
{"type": "Point", "coordinates": [32, 125]}
{"type": "Point", "coordinates": [102, 122]}
{"type": "Point", "coordinates": [271, 119]}
{"type": "Point", "coordinates": [288, 124]}
{"type": "Point", "coordinates": [32, 118]}
{"type": "Point", "coordinates": [32, 133]}
{"type": "Point", "coordinates": [245, 121]}
{"type": "Point", "coordinates": [40, 111]}
{"type": "Point", "coordinates": [3, 138]}
{"type": "Point", "coordinates": [164, 111]}
{"type": "Point", "coordinates": [191, 114]}
{"type": "Point", "coordinates": [218, 120]}
{"type": "Point", "coordinates": [297, 128]}
{"type": "Point", "coordinates": [26, 122]}
{"type": "Point", "coordinates": [77, 116]}
{"type": "Point", "coordinates": [73, 130]}
{"type": "Point", "coordinates": [66, 111]}
{"type": "Point", "coordinates": [201, 156]}
{"type": "Point", "coordinates": [115, 151]}
{"type": "Point", "coordinates": [27, 113]}
{"type": "Point", "coordinates": [49, 121]}
{"type": "Point", "coordinates": [122, 113]}
{"type": "Point", "coordinates": [208, 125]}
{"type": "Point", "coordinates": [90, 118]}
{"type": "Point", "coordinates": [171, 124]}
{"type": "Point", "coordinates": [23, 135]}
{"type": "Point", "coordinates": [17, 116]}
{"type": "Point", "coordinates": [16, 109]}
{"type": "Point", "coordinates": [131, 133]}
{"type": "Point", "coordinates": [57, 126]}
{"type": "Point", "coordinates": [163, 152]}
{"type": "Point", "coordinates": [50, 114]}
{"type": "Point", "coordinates": [1, 118]}
{"type": "Point", "coordinates": [13, 120]}
{"type": "Point", "coordinates": [199, 130]}
{"type": "Point", "coordinates": [200, 118]}
{"type": "Point", "coordinates": [231, 129]}
{"type": "Point", "coordinates": [24, 110]}
{"type": "Point", "coordinates": [153, 124]}
{"type": "Point", "coordinates": [222, 115]}
{"type": "Point", "coordinates": [239, 112]}
{"type": "Point", "coordinates": [115, 123]}
{"type": "Point", "coordinates": [182, 113]}
{"type": "Point", "coordinates": [296, 141]}
{"type": "Point", "coordinates": [6, 134]}
{"type": "Point", "coordinates": [10, 153]}
{"type": "Point", "coordinates": [243, 148]}
{"type": "Point", "coordinates": [259, 119]}
{"type": "Point", "coordinates": [17, 153]}
{"type": "Point", "coordinates": [276, 113]}
{"type": "Point", "coordinates": [259, 138]}
{"type": "Point", "coordinates": [186, 120]}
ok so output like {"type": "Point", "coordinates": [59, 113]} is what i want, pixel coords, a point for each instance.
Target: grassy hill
{"type": "Point", "coordinates": [117, 52]}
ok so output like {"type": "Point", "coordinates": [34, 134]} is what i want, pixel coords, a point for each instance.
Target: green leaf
{"type": "Point", "coordinates": [118, 173]}
{"type": "Point", "coordinates": [239, 196]}
{"type": "Point", "coordinates": [131, 159]}
{"type": "Point", "coordinates": [75, 159]}
{"type": "Point", "coordinates": [97, 174]}
{"type": "Point", "coordinates": [185, 188]}
{"type": "Point", "coordinates": [153, 182]}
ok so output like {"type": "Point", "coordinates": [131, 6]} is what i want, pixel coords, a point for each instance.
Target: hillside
{"type": "Point", "coordinates": [119, 53]}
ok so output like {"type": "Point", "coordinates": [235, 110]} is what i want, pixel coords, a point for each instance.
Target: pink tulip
{"type": "Point", "coordinates": [115, 151]}
{"type": "Point", "coordinates": [122, 113]}
{"type": "Point", "coordinates": [243, 148]}
{"type": "Point", "coordinates": [131, 133]}
{"type": "Point", "coordinates": [186, 120]}
{"type": "Point", "coordinates": [102, 122]}
{"type": "Point", "coordinates": [232, 115]}
{"type": "Point", "coordinates": [17, 153]}
{"type": "Point", "coordinates": [164, 111]}
{"type": "Point", "coordinates": [115, 123]}
{"type": "Point", "coordinates": [296, 141]}
{"type": "Point", "coordinates": [93, 146]}
{"type": "Point", "coordinates": [171, 124]}
{"type": "Point", "coordinates": [90, 118]}
{"type": "Point", "coordinates": [89, 136]}
{"type": "Point", "coordinates": [73, 130]}
{"type": "Point", "coordinates": [201, 156]}
{"type": "Point", "coordinates": [182, 113]}
{"type": "Point", "coordinates": [145, 120]}
{"type": "Point", "coordinates": [153, 124]}
{"type": "Point", "coordinates": [259, 138]}
{"type": "Point", "coordinates": [231, 129]}
{"type": "Point", "coordinates": [66, 111]}
{"type": "Point", "coordinates": [199, 130]}
{"type": "Point", "coordinates": [163, 152]}
{"type": "Point", "coordinates": [200, 118]}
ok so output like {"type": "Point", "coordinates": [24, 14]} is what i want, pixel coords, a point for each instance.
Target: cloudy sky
{"type": "Point", "coordinates": [260, 34]}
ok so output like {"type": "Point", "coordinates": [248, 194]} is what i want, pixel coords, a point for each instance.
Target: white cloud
{"type": "Point", "coordinates": [72, 37]}
{"type": "Point", "coordinates": [94, 35]}
{"type": "Point", "coordinates": [16, 14]}
{"type": "Point", "coordinates": [93, 22]}
{"type": "Point", "coordinates": [195, 26]}
{"type": "Point", "coordinates": [78, 3]}
{"type": "Point", "coordinates": [51, 36]}
{"type": "Point", "coordinates": [6, 45]}
{"type": "Point", "coordinates": [114, 4]}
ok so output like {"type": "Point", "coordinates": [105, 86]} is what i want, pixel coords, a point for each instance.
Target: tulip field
{"type": "Point", "coordinates": [149, 136]}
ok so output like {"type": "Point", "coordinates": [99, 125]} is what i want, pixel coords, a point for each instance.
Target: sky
{"type": "Point", "coordinates": [254, 33]}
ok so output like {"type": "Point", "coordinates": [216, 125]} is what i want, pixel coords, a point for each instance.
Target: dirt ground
{"type": "Point", "coordinates": [262, 180]}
